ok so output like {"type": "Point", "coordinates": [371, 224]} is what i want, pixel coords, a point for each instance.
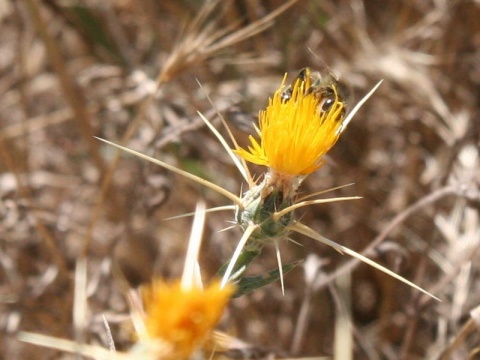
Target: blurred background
{"type": "Point", "coordinates": [129, 71]}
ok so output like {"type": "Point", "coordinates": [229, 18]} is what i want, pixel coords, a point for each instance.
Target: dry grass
{"type": "Point", "coordinates": [126, 71]}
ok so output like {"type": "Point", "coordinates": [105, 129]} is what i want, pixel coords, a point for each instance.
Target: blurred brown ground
{"type": "Point", "coordinates": [73, 70]}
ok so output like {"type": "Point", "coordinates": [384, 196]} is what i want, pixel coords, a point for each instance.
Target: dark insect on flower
{"type": "Point", "coordinates": [327, 89]}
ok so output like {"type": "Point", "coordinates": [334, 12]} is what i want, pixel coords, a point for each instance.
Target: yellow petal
{"type": "Point", "coordinates": [298, 128]}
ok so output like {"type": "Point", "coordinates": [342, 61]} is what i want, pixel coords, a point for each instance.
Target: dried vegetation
{"type": "Point", "coordinates": [127, 71]}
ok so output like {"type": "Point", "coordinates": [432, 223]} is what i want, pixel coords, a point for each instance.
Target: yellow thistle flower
{"type": "Point", "coordinates": [299, 126]}
{"type": "Point", "coordinates": [182, 318]}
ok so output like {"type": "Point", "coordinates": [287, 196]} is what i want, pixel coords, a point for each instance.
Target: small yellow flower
{"type": "Point", "coordinates": [182, 318]}
{"type": "Point", "coordinates": [298, 127]}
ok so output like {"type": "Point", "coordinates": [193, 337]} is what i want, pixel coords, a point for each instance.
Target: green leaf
{"type": "Point", "coordinates": [245, 258]}
{"type": "Point", "coordinates": [248, 284]}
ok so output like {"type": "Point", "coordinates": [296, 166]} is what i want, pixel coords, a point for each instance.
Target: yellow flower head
{"type": "Point", "coordinates": [300, 125]}
{"type": "Point", "coordinates": [183, 318]}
